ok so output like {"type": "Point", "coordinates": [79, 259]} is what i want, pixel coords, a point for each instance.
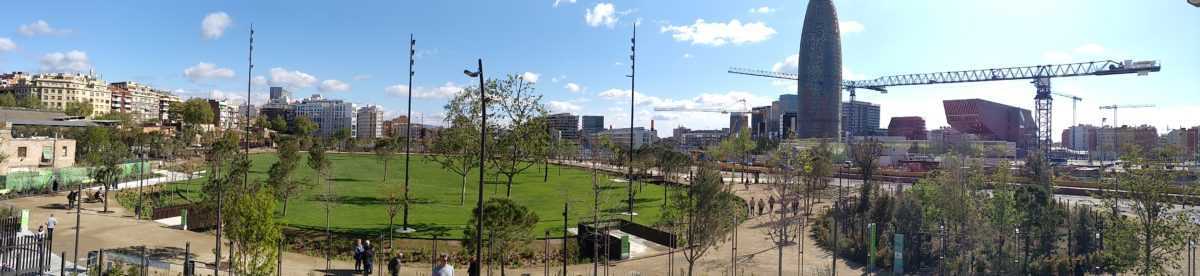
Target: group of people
{"type": "Point", "coordinates": [364, 261]}
{"type": "Point", "coordinates": [755, 208]}
{"type": "Point", "coordinates": [73, 197]}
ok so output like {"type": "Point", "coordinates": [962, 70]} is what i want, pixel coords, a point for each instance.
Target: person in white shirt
{"type": "Point", "coordinates": [50, 224]}
{"type": "Point", "coordinates": [443, 268]}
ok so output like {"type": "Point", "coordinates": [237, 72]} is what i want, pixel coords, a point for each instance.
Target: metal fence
{"type": "Point", "coordinates": [22, 253]}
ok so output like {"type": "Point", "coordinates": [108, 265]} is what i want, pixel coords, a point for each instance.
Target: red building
{"type": "Point", "coordinates": [911, 127]}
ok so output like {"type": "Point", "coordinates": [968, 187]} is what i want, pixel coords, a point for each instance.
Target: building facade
{"type": "Point", "coordinates": [329, 114]}
{"type": "Point", "coordinates": [57, 89]}
{"type": "Point", "coordinates": [1079, 137]}
{"type": "Point", "coordinates": [142, 101]}
{"type": "Point", "coordinates": [225, 115]}
{"type": "Point", "coordinates": [620, 136]}
{"type": "Point", "coordinates": [758, 121]}
{"type": "Point", "coordinates": [911, 127]}
{"type": "Point", "coordinates": [737, 122]}
{"type": "Point", "coordinates": [592, 124]}
{"type": "Point", "coordinates": [993, 122]}
{"type": "Point", "coordinates": [370, 122]}
{"type": "Point", "coordinates": [34, 152]}
{"type": "Point", "coordinates": [564, 126]}
{"type": "Point", "coordinates": [820, 73]}
{"type": "Point", "coordinates": [860, 118]}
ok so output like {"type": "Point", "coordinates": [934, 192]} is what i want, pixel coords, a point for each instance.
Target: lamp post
{"type": "Point", "coordinates": [482, 157]}
{"type": "Point", "coordinates": [632, 94]}
{"type": "Point", "coordinates": [412, 44]}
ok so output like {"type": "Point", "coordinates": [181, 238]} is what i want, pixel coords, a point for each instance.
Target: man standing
{"type": "Point", "coordinates": [368, 258]}
{"type": "Point", "coordinates": [358, 255]}
{"type": "Point", "coordinates": [50, 224]}
{"type": "Point", "coordinates": [443, 268]}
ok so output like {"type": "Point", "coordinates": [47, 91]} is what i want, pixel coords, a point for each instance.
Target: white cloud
{"type": "Point", "coordinates": [40, 27]}
{"type": "Point", "coordinates": [1090, 49]}
{"type": "Point", "coordinates": [291, 79]}
{"type": "Point", "coordinates": [333, 86]}
{"type": "Point", "coordinates": [573, 87]}
{"type": "Point", "coordinates": [73, 61]}
{"type": "Point", "coordinates": [204, 71]}
{"type": "Point", "coordinates": [762, 10]}
{"type": "Point", "coordinates": [718, 34]}
{"type": "Point", "coordinates": [7, 44]}
{"type": "Point", "coordinates": [850, 26]}
{"type": "Point", "coordinates": [259, 80]}
{"type": "Point", "coordinates": [362, 77]}
{"type": "Point", "coordinates": [601, 14]}
{"type": "Point", "coordinates": [214, 24]}
{"type": "Point", "coordinates": [531, 76]}
{"type": "Point", "coordinates": [561, 106]}
{"type": "Point", "coordinates": [556, 2]}
{"type": "Point", "coordinates": [445, 91]}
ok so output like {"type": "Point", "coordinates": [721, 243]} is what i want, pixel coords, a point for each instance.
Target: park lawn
{"type": "Point", "coordinates": [360, 208]}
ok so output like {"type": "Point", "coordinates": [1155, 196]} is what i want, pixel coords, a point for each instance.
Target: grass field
{"type": "Point", "coordinates": [435, 195]}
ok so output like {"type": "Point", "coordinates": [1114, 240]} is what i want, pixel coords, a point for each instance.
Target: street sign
{"type": "Point", "coordinates": [898, 256]}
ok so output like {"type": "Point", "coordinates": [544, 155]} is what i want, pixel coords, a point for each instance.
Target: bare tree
{"type": "Point", "coordinates": [787, 166]}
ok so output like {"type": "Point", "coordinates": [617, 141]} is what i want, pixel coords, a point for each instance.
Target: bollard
{"type": "Point", "coordinates": [62, 264]}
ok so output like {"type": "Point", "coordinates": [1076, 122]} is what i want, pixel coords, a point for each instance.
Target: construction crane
{"type": "Point", "coordinates": [1074, 113]}
{"type": "Point", "coordinates": [1115, 107]}
{"type": "Point", "coordinates": [1039, 74]}
{"type": "Point", "coordinates": [744, 109]}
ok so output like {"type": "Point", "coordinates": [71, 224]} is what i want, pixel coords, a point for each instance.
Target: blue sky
{"type": "Point", "coordinates": [578, 50]}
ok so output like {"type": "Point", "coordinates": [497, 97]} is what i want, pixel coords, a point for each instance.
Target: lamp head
{"type": "Point", "coordinates": [471, 74]}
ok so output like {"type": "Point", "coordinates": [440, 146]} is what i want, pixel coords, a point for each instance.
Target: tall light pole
{"type": "Point", "coordinates": [412, 44]}
{"type": "Point", "coordinates": [632, 94]}
{"type": "Point", "coordinates": [482, 158]}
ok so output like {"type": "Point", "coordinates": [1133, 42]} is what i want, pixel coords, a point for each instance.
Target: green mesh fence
{"type": "Point", "coordinates": [42, 179]}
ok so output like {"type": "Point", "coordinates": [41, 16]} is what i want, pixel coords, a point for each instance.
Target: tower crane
{"type": "Point", "coordinates": [1074, 113]}
{"type": "Point", "coordinates": [1114, 108]}
{"type": "Point", "coordinates": [1039, 75]}
{"type": "Point", "coordinates": [745, 109]}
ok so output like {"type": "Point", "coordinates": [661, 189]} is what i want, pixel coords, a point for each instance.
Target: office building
{"type": "Point", "coordinates": [370, 122]}
{"type": "Point", "coordinates": [329, 114]}
{"type": "Point", "coordinates": [911, 127]}
{"type": "Point", "coordinates": [701, 139]}
{"type": "Point", "coordinates": [993, 121]}
{"type": "Point", "coordinates": [860, 118]}
{"type": "Point", "coordinates": [758, 121]}
{"type": "Point", "coordinates": [55, 90]}
{"type": "Point", "coordinates": [620, 136]}
{"type": "Point", "coordinates": [737, 122]}
{"type": "Point", "coordinates": [280, 94]}
{"type": "Point", "coordinates": [820, 73]}
{"type": "Point", "coordinates": [592, 124]}
{"type": "Point", "coordinates": [564, 126]}
{"type": "Point", "coordinates": [780, 120]}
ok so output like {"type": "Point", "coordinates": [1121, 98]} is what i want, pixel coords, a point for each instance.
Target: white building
{"type": "Point", "coordinates": [620, 136]}
{"type": "Point", "coordinates": [330, 115]}
{"type": "Point", "coordinates": [57, 89]}
{"type": "Point", "coordinates": [370, 122]}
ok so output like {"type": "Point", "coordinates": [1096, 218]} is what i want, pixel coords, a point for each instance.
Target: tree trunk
{"type": "Point", "coordinates": [508, 188]}
{"type": "Point", "coordinates": [285, 202]}
{"type": "Point", "coordinates": [462, 197]}
{"type": "Point", "coordinates": [780, 260]}
{"type": "Point", "coordinates": [691, 265]}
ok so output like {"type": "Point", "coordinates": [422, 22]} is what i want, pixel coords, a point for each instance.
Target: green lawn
{"type": "Point", "coordinates": [435, 195]}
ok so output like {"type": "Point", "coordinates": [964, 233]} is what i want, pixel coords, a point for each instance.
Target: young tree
{"type": "Point", "coordinates": [457, 147]}
{"type": "Point", "coordinates": [385, 149]}
{"type": "Point", "coordinates": [105, 154]}
{"type": "Point", "coordinates": [524, 140]}
{"type": "Point", "coordinates": [7, 100]}
{"type": "Point", "coordinates": [787, 164]}
{"type": "Point", "coordinates": [81, 109]}
{"type": "Point", "coordinates": [705, 211]}
{"type": "Point", "coordinates": [250, 223]}
{"type": "Point", "coordinates": [280, 175]}
{"type": "Point", "coordinates": [319, 161]}
{"type": "Point", "coordinates": [279, 124]}
{"type": "Point", "coordinates": [865, 156]}
{"type": "Point", "coordinates": [342, 136]}
{"type": "Point", "coordinates": [196, 111]}
{"type": "Point", "coordinates": [508, 227]}
{"type": "Point", "coordinates": [1159, 228]}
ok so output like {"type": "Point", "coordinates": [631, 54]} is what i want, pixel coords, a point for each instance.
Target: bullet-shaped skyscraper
{"type": "Point", "coordinates": [820, 73]}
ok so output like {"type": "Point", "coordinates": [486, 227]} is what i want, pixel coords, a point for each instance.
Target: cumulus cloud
{"type": "Point", "coordinates": [531, 76]}
{"type": "Point", "coordinates": [7, 44]}
{"type": "Point", "coordinates": [850, 26]}
{"type": "Point", "coordinates": [40, 27]}
{"type": "Point", "coordinates": [556, 2]}
{"type": "Point", "coordinates": [333, 86]}
{"type": "Point", "coordinates": [561, 106]}
{"type": "Point", "coordinates": [214, 24]}
{"type": "Point", "coordinates": [73, 61]}
{"type": "Point", "coordinates": [259, 80]}
{"type": "Point", "coordinates": [445, 91]}
{"type": "Point", "coordinates": [718, 33]}
{"type": "Point", "coordinates": [602, 14]}
{"type": "Point", "coordinates": [762, 10]}
{"type": "Point", "coordinates": [573, 87]}
{"type": "Point", "coordinates": [291, 79]}
{"type": "Point", "coordinates": [205, 71]}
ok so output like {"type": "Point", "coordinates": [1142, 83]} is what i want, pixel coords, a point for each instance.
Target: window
{"type": "Point", "coordinates": [21, 152]}
{"type": "Point", "coordinates": [64, 151]}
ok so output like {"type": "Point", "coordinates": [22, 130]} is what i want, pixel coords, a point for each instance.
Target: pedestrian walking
{"type": "Point", "coordinates": [368, 258]}
{"type": "Point", "coordinates": [71, 199]}
{"type": "Point", "coordinates": [473, 267]}
{"type": "Point", "coordinates": [760, 206]}
{"type": "Point", "coordinates": [395, 263]}
{"type": "Point", "coordinates": [771, 204]}
{"type": "Point", "coordinates": [443, 268]}
{"type": "Point", "coordinates": [50, 224]}
{"type": "Point", "coordinates": [358, 253]}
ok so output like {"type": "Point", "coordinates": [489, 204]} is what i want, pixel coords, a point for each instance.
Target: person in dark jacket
{"type": "Point", "coordinates": [395, 263]}
{"type": "Point", "coordinates": [473, 267]}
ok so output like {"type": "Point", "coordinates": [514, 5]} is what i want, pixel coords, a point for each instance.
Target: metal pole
{"type": "Point", "coordinates": [564, 240]}
{"type": "Point", "coordinates": [632, 94]}
{"type": "Point", "coordinates": [412, 43]}
{"type": "Point", "coordinates": [546, 252]}
{"type": "Point", "coordinates": [78, 226]}
{"type": "Point", "coordinates": [482, 167]}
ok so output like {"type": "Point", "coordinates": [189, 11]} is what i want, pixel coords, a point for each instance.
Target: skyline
{"type": "Point", "coordinates": [358, 54]}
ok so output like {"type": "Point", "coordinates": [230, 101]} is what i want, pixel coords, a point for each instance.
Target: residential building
{"type": "Point", "coordinates": [225, 115]}
{"type": "Point", "coordinates": [701, 139]}
{"type": "Point", "coordinates": [564, 126]}
{"type": "Point", "coordinates": [55, 90]}
{"type": "Point", "coordinates": [860, 118]}
{"type": "Point", "coordinates": [1078, 137]}
{"type": "Point", "coordinates": [370, 122]}
{"type": "Point", "coordinates": [165, 100]}
{"type": "Point", "coordinates": [679, 131]}
{"type": "Point", "coordinates": [911, 127]}
{"type": "Point", "coordinates": [1185, 140]}
{"type": "Point", "coordinates": [32, 153]}
{"type": "Point", "coordinates": [248, 110]}
{"type": "Point", "coordinates": [329, 114]}
{"type": "Point", "coordinates": [138, 99]}
{"type": "Point", "coordinates": [993, 121]}
{"type": "Point", "coordinates": [395, 126]}
{"type": "Point", "coordinates": [620, 136]}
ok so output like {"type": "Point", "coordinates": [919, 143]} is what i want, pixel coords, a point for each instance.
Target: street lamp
{"type": "Point", "coordinates": [482, 158]}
